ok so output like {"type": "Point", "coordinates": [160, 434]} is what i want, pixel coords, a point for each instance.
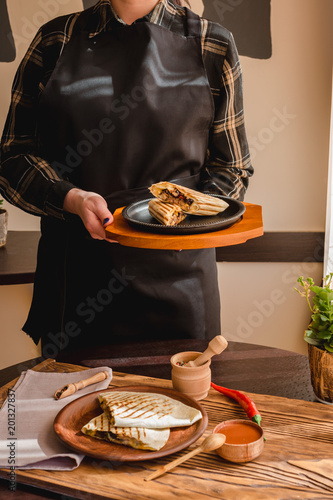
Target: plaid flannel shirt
{"type": "Point", "coordinates": [30, 183]}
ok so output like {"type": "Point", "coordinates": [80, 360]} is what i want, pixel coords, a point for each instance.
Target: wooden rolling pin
{"type": "Point", "coordinates": [70, 389]}
{"type": "Point", "coordinates": [215, 346]}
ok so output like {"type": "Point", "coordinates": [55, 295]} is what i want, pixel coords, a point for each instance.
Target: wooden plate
{"type": "Point", "coordinates": [250, 225]}
{"type": "Point", "coordinates": [70, 420]}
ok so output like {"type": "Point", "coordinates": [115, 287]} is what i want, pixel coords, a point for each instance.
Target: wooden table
{"type": "Point", "coordinates": [297, 461]}
{"type": "Point", "coordinates": [242, 366]}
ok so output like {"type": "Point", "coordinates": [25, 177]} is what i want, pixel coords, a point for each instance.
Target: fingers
{"type": "Point", "coordinates": [93, 210]}
{"type": "Point", "coordinates": [96, 216]}
{"type": "Point", "coordinates": [94, 226]}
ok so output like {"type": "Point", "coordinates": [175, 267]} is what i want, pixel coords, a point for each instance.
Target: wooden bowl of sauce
{"type": "Point", "coordinates": [244, 440]}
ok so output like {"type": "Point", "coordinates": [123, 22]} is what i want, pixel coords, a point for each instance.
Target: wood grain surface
{"type": "Point", "coordinates": [250, 226]}
{"type": "Point", "coordinates": [297, 461]}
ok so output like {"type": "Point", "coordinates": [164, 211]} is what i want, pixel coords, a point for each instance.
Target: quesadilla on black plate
{"type": "Point", "coordinates": [188, 200]}
{"type": "Point", "coordinates": [165, 213]}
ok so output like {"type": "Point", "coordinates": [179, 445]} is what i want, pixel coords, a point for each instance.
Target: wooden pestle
{"type": "Point", "coordinates": [210, 443]}
{"type": "Point", "coordinates": [70, 389]}
{"type": "Point", "coordinates": [215, 346]}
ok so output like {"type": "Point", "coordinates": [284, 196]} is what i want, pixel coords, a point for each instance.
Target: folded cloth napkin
{"type": "Point", "coordinates": [27, 437]}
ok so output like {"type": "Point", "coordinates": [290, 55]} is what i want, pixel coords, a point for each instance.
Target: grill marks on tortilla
{"type": "Point", "coordinates": [101, 425]}
{"type": "Point", "coordinates": [136, 437]}
{"type": "Point", "coordinates": [165, 213]}
{"type": "Point", "coordinates": [188, 200]}
{"type": "Point", "coordinates": [138, 407]}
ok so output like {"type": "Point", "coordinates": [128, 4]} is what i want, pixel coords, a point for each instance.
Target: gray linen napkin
{"type": "Point", "coordinates": [27, 437]}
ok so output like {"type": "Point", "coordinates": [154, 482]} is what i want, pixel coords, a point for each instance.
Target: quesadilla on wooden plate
{"type": "Point", "coordinates": [136, 437]}
{"type": "Point", "coordinates": [146, 409]}
{"type": "Point", "coordinates": [165, 213]}
{"type": "Point", "coordinates": [188, 200]}
{"type": "Point", "coordinates": [70, 420]}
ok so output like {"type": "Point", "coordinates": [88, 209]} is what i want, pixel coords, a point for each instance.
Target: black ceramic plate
{"type": "Point", "coordinates": [137, 215]}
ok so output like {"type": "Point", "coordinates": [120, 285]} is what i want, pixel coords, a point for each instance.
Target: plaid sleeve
{"type": "Point", "coordinates": [228, 165]}
{"type": "Point", "coordinates": [26, 180]}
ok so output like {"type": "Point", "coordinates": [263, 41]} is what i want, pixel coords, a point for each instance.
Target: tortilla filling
{"type": "Point", "coordinates": [177, 218]}
{"type": "Point", "coordinates": [124, 440]}
{"type": "Point", "coordinates": [170, 195]}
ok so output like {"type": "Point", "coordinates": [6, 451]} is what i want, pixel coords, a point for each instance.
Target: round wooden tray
{"type": "Point", "coordinates": [250, 226]}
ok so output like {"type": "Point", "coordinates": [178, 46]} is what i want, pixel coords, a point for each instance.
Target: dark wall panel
{"type": "Point", "coordinates": [248, 20]}
{"type": "Point", "coordinates": [7, 45]}
{"type": "Point", "coordinates": [88, 3]}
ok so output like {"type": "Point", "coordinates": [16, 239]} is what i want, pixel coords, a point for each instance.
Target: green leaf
{"type": "Point", "coordinates": [315, 323]}
{"type": "Point", "coordinates": [322, 327]}
{"type": "Point", "coordinates": [324, 294]}
{"type": "Point", "coordinates": [324, 334]}
{"type": "Point", "coordinates": [311, 341]}
{"type": "Point", "coordinates": [312, 334]}
{"type": "Point", "coordinates": [328, 347]}
{"type": "Point", "coordinates": [316, 289]}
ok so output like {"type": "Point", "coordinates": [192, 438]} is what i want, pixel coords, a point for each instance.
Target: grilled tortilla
{"type": "Point", "coordinates": [166, 213]}
{"type": "Point", "coordinates": [145, 409]}
{"type": "Point", "coordinates": [188, 200]}
{"type": "Point", "coordinates": [135, 437]}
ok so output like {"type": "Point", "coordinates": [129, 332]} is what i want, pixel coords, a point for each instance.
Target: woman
{"type": "Point", "coordinates": [106, 102]}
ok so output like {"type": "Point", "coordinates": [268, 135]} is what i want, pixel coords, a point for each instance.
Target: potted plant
{"type": "Point", "coordinates": [319, 335]}
{"type": "Point", "coordinates": [3, 224]}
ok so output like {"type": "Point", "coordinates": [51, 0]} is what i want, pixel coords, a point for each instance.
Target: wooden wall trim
{"type": "Point", "coordinates": [276, 247]}
{"type": "Point", "coordinates": [18, 257]}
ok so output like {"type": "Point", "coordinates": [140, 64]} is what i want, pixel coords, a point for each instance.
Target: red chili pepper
{"type": "Point", "coordinates": [245, 402]}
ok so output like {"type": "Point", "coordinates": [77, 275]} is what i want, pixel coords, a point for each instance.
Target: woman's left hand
{"type": "Point", "coordinates": [92, 208]}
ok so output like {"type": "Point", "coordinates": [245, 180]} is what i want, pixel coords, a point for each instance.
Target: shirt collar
{"type": "Point", "coordinates": [104, 13]}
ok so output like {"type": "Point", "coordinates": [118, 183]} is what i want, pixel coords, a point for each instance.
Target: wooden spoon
{"type": "Point", "coordinates": [215, 346]}
{"type": "Point", "coordinates": [212, 442]}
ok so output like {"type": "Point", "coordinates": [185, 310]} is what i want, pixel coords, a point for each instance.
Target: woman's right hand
{"type": "Point", "coordinates": [92, 208]}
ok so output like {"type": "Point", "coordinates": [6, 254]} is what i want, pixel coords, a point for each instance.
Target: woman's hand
{"type": "Point", "coordinates": [92, 208]}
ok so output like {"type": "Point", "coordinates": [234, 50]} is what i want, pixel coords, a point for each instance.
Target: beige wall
{"type": "Point", "coordinates": [287, 106]}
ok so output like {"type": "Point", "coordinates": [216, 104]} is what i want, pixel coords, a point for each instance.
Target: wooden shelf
{"type": "Point", "coordinates": [18, 257]}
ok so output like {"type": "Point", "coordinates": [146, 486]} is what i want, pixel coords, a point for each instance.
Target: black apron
{"type": "Point", "coordinates": [122, 110]}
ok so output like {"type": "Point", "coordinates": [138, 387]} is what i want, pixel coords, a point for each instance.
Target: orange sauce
{"type": "Point", "coordinates": [239, 433]}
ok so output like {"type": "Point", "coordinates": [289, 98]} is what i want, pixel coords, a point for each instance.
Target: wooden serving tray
{"type": "Point", "coordinates": [297, 461]}
{"type": "Point", "coordinates": [250, 226]}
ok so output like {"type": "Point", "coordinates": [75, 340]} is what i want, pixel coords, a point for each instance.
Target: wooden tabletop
{"type": "Point", "coordinates": [297, 461]}
{"type": "Point", "coordinates": [242, 366]}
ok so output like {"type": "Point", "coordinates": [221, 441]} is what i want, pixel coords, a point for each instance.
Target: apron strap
{"type": "Point", "coordinates": [193, 23]}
